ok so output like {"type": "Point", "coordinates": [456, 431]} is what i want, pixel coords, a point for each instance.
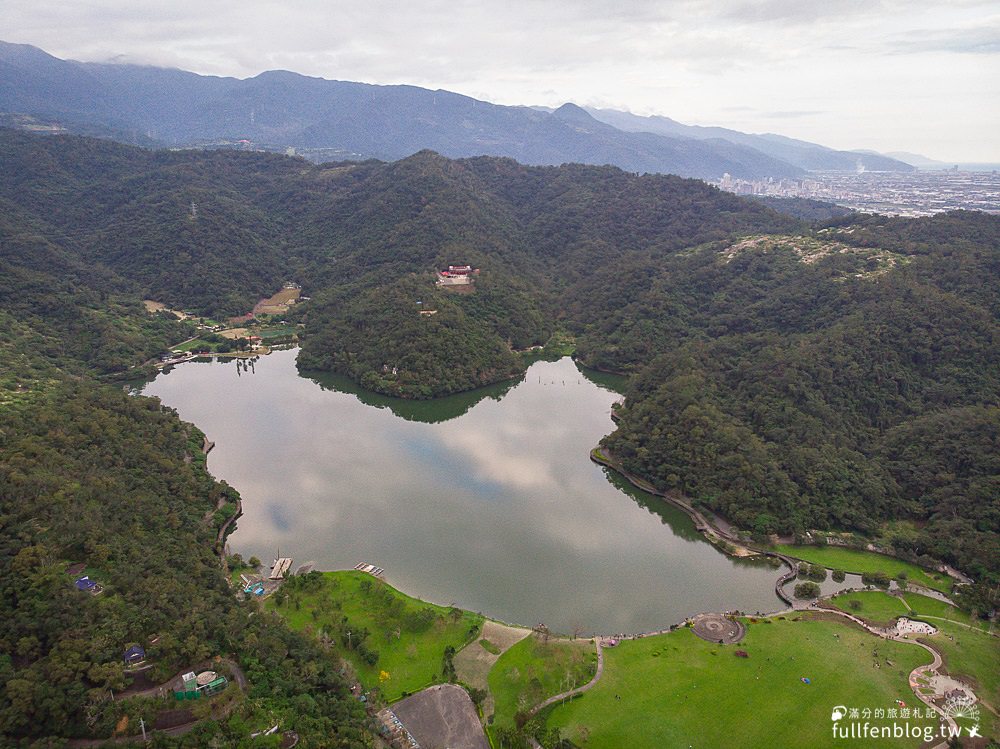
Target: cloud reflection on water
{"type": "Point", "coordinates": [498, 509]}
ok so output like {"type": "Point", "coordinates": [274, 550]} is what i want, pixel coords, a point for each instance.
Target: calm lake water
{"type": "Point", "coordinates": [486, 500]}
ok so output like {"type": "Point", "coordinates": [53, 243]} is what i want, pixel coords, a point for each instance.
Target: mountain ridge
{"type": "Point", "coordinates": [320, 117]}
{"type": "Point", "coordinates": [806, 155]}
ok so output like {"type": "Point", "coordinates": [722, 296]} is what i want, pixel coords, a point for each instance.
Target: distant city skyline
{"type": "Point", "coordinates": [918, 76]}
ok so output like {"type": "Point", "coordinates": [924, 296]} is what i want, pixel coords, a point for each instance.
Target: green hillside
{"type": "Point", "coordinates": [787, 376]}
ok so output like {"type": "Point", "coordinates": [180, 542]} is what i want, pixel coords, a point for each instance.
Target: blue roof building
{"type": "Point", "coordinates": [134, 654]}
{"type": "Point", "coordinates": [85, 584]}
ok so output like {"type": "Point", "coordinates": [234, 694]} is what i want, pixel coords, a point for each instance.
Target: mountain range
{"type": "Point", "coordinates": [328, 120]}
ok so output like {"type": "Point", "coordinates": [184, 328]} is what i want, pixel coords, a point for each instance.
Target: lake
{"type": "Point", "coordinates": [485, 500]}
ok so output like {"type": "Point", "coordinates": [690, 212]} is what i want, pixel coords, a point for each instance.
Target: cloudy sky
{"type": "Point", "coordinates": [907, 75]}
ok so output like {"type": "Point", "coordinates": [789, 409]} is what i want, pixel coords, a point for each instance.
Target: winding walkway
{"type": "Point", "coordinates": [919, 671]}
{"type": "Point", "coordinates": [570, 694]}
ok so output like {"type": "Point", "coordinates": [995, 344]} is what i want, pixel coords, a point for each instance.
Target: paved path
{"type": "Point", "coordinates": [220, 541]}
{"type": "Point", "coordinates": [722, 531]}
{"type": "Point", "coordinates": [579, 690]}
{"type": "Point", "coordinates": [919, 671]}
{"type": "Point", "coordinates": [716, 628]}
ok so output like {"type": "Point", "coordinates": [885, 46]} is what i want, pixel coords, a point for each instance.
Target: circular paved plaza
{"type": "Point", "coordinates": [717, 628]}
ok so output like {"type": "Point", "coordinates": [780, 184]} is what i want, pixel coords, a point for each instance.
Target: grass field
{"type": "Point", "coordinates": [196, 344]}
{"type": "Point", "coordinates": [855, 560]}
{"type": "Point", "coordinates": [874, 606]}
{"type": "Point", "coordinates": [408, 635]}
{"type": "Point", "coordinates": [974, 657]}
{"type": "Point", "coordinates": [533, 670]}
{"type": "Point", "coordinates": [278, 331]}
{"type": "Point", "coordinates": [922, 607]}
{"type": "Point", "coordinates": [675, 690]}
{"type": "Point", "coordinates": [969, 651]}
{"type": "Point", "coordinates": [973, 654]}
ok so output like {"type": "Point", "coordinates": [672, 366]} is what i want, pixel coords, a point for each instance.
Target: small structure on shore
{"type": "Point", "coordinates": [371, 569]}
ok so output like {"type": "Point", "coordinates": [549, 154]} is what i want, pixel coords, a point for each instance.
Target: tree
{"type": "Point", "coordinates": [807, 590]}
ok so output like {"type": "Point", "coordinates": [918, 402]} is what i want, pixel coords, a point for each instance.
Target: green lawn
{"type": "Point", "coordinates": [855, 560]}
{"type": "Point", "coordinates": [533, 670]}
{"type": "Point", "coordinates": [408, 635]}
{"type": "Point", "coordinates": [971, 653]}
{"type": "Point", "coordinates": [931, 608]}
{"type": "Point", "coordinates": [196, 344]}
{"type": "Point", "coordinates": [973, 656]}
{"type": "Point", "coordinates": [675, 690]}
{"type": "Point", "coordinates": [873, 606]}
{"type": "Point", "coordinates": [276, 331]}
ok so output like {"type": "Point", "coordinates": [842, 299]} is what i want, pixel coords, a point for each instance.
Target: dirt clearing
{"type": "Point", "coordinates": [442, 716]}
{"type": "Point", "coordinates": [473, 662]}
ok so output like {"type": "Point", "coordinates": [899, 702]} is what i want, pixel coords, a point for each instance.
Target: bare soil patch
{"type": "Point", "coordinates": [442, 716]}
{"type": "Point", "coordinates": [473, 662]}
{"type": "Point", "coordinates": [152, 307]}
{"type": "Point", "coordinates": [278, 303]}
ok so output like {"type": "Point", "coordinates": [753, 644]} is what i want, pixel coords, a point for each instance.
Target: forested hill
{"type": "Point", "coordinates": [96, 480]}
{"type": "Point", "coordinates": [212, 232]}
{"type": "Point", "coordinates": [786, 375]}
{"type": "Point", "coordinates": [789, 395]}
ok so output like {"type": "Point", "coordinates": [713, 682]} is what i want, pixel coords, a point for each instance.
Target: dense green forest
{"type": "Point", "coordinates": [789, 376]}
{"type": "Point", "coordinates": [788, 391]}
{"type": "Point", "coordinates": [90, 475]}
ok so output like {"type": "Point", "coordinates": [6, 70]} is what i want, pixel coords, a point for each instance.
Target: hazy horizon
{"type": "Point", "coordinates": [849, 74]}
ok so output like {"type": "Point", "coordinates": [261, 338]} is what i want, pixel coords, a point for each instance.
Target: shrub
{"type": "Point", "coordinates": [879, 578]}
{"type": "Point", "coordinates": [816, 572]}
{"type": "Point", "coordinates": [807, 590]}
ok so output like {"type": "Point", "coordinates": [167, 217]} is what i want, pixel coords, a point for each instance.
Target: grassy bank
{"type": "Point", "coordinates": [922, 607]}
{"type": "Point", "coordinates": [861, 562]}
{"type": "Point", "coordinates": [970, 652]}
{"type": "Point", "coordinates": [534, 670]}
{"type": "Point", "coordinates": [873, 606]}
{"type": "Point", "coordinates": [657, 691]}
{"type": "Point", "coordinates": [395, 642]}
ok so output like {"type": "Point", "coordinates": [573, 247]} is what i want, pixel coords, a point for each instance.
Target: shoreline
{"type": "Point", "coordinates": [723, 539]}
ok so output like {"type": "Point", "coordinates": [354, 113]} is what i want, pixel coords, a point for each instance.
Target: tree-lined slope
{"type": "Point", "coordinates": [787, 377]}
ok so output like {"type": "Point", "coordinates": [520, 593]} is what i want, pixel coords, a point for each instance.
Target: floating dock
{"type": "Point", "coordinates": [371, 569]}
{"type": "Point", "coordinates": [280, 568]}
